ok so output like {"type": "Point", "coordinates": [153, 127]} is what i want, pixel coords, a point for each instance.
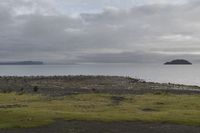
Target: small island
{"type": "Point", "coordinates": [22, 63]}
{"type": "Point", "coordinates": [178, 62]}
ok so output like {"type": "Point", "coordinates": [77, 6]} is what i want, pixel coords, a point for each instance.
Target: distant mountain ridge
{"type": "Point", "coordinates": [178, 62]}
{"type": "Point", "coordinates": [22, 63]}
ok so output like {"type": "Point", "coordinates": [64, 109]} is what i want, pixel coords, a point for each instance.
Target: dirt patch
{"type": "Point", "coordinates": [101, 127]}
{"type": "Point", "coordinates": [160, 103]}
{"type": "Point", "coordinates": [85, 107]}
{"type": "Point", "coordinates": [117, 99]}
{"type": "Point", "coordinates": [149, 110]}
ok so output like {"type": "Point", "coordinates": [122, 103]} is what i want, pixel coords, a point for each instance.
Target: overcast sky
{"type": "Point", "coordinates": [82, 31]}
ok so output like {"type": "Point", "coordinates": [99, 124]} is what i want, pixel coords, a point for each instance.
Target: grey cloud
{"type": "Point", "coordinates": [116, 35]}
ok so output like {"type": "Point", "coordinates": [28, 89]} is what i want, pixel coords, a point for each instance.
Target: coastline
{"type": "Point", "coordinates": [40, 103]}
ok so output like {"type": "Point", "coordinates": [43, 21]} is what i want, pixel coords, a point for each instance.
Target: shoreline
{"type": "Point", "coordinates": [64, 85]}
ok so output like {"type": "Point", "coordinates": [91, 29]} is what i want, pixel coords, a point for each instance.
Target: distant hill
{"type": "Point", "coordinates": [178, 62]}
{"type": "Point", "coordinates": [22, 63]}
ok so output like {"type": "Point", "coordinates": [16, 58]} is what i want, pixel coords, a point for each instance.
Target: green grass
{"type": "Point", "coordinates": [23, 111]}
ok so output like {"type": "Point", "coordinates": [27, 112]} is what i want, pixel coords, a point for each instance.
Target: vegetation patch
{"type": "Point", "coordinates": [31, 110]}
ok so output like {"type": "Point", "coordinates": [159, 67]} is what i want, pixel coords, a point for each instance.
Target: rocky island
{"type": "Point", "coordinates": [178, 62]}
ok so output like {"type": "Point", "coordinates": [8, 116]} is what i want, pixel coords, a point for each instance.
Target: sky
{"type": "Point", "coordinates": [103, 31]}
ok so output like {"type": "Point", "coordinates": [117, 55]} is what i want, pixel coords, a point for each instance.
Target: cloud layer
{"type": "Point", "coordinates": [73, 31]}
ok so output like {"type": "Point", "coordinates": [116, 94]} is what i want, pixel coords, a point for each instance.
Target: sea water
{"type": "Point", "coordinates": [181, 74]}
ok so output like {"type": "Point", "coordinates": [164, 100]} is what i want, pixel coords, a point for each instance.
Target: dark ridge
{"type": "Point", "coordinates": [22, 63]}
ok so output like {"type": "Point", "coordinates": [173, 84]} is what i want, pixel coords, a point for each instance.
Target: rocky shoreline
{"type": "Point", "coordinates": [65, 85]}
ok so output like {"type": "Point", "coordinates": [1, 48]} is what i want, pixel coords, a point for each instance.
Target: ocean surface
{"type": "Point", "coordinates": [181, 74]}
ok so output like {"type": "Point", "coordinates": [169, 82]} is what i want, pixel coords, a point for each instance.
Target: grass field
{"type": "Point", "coordinates": [28, 110]}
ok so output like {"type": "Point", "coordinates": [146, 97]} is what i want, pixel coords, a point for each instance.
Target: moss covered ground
{"type": "Point", "coordinates": [32, 110]}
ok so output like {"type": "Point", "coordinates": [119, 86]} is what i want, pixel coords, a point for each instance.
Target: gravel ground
{"type": "Point", "coordinates": [66, 85]}
{"type": "Point", "coordinates": [100, 127]}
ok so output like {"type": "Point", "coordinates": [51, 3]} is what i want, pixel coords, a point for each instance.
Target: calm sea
{"type": "Point", "coordinates": [183, 74]}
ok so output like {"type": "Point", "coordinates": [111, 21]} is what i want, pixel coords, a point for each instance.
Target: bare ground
{"type": "Point", "coordinates": [101, 127]}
